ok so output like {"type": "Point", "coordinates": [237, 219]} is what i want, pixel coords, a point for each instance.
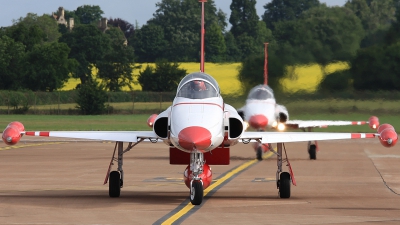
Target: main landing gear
{"type": "Point", "coordinates": [311, 147]}
{"type": "Point", "coordinates": [283, 179]}
{"type": "Point", "coordinates": [116, 178]}
{"type": "Point", "coordinates": [261, 149]}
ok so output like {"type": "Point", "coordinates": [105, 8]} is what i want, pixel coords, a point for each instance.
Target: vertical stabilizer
{"type": "Point", "coordinates": [202, 36]}
{"type": "Point", "coordinates": [265, 63]}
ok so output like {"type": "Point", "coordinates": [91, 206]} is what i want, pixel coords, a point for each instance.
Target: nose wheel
{"type": "Point", "coordinates": [196, 192]}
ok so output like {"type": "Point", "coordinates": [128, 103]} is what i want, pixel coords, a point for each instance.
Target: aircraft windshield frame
{"type": "Point", "coordinates": [261, 92]}
{"type": "Point", "coordinates": [188, 88]}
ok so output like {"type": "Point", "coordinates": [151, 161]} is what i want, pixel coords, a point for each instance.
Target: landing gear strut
{"type": "Point", "coordinates": [196, 184]}
{"type": "Point", "coordinates": [283, 178]}
{"type": "Point", "coordinates": [116, 178]}
{"type": "Point", "coordinates": [311, 147]}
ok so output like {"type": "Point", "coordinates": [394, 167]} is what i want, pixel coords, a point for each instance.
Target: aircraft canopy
{"type": "Point", "coordinates": [198, 86]}
{"type": "Point", "coordinates": [261, 92]}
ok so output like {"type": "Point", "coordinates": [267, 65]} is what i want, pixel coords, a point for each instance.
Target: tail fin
{"type": "Point", "coordinates": [266, 63]}
{"type": "Point", "coordinates": [202, 36]}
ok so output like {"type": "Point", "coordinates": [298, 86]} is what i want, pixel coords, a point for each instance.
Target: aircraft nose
{"type": "Point", "coordinates": [258, 121]}
{"type": "Point", "coordinates": [194, 137]}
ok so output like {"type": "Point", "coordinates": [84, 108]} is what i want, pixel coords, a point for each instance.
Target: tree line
{"type": "Point", "coordinates": [39, 55]}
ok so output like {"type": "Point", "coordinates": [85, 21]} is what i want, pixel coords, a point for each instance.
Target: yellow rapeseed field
{"type": "Point", "coordinates": [298, 78]}
{"type": "Point", "coordinates": [307, 77]}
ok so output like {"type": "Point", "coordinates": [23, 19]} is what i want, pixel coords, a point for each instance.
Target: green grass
{"type": "Point", "coordinates": [138, 122]}
{"type": "Point", "coordinates": [341, 106]}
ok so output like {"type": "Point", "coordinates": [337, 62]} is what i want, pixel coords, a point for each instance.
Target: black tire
{"type": "Point", "coordinates": [259, 153]}
{"type": "Point", "coordinates": [312, 151]}
{"type": "Point", "coordinates": [114, 184]}
{"type": "Point", "coordinates": [196, 193]}
{"type": "Point", "coordinates": [284, 185]}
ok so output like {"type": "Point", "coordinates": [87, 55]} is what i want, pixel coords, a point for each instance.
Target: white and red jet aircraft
{"type": "Point", "coordinates": [261, 112]}
{"type": "Point", "coordinates": [197, 124]}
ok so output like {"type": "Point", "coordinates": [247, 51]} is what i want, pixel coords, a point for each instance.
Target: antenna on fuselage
{"type": "Point", "coordinates": [266, 63]}
{"type": "Point", "coordinates": [203, 31]}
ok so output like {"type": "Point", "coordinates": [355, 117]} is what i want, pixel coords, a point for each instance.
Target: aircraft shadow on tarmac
{"type": "Point", "coordinates": [100, 198]}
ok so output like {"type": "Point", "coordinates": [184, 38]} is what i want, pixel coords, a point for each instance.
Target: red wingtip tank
{"type": "Point", "coordinates": [373, 122]}
{"type": "Point", "coordinates": [151, 120]}
{"type": "Point", "coordinates": [13, 133]}
{"type": "Point", "coordinates": [387, 135]}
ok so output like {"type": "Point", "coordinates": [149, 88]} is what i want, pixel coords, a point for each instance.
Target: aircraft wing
{"type": "Point", "coordinates": [283, 137]}
{"type": "Point", "coordinates": [123, 136]}
{"type": "Point", "coordinates": [321, 123]}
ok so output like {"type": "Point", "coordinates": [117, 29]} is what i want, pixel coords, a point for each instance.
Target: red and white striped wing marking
{"type": "Point", "coordinates": [322, 123]}
{"type": "Point", "coordinates": [283, 137]}
{"type": "Point", "coordinates": [123, 136]}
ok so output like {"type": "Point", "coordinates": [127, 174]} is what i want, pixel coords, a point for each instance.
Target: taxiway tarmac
{"type": "Point", "coordinates": [55, 182]}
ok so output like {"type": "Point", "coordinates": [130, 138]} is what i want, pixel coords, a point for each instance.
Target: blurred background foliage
{"type": "Point", "coordinates": [360, 39]}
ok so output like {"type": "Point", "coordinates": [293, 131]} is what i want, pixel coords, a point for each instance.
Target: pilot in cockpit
{"type": "Point", "coordinates": [198, 85]}
{"type": "Point", "coordinates": [199, 89]}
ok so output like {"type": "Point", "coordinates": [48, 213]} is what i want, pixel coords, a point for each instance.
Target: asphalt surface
{"type": "Point", "coordinates": [53, 182]}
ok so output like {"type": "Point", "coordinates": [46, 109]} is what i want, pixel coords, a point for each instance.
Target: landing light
{"type": "Point", "coordinates": [274, 124]}
{"type": "Point", "coordinates": [281, 127]}
{"type": "Point", "coordinates": [374, 126]}
{"type": "Point", "coordinates": [245, 125]}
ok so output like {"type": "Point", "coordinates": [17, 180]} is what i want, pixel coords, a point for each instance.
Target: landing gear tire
{"type": "Point", "coordinates": [114, 184]}
{"type": "Point", "coordinates": [196, 193]}
{"type": "Point", "coordinates": [259, 153]}
{"type": "Point", "coordinates": [284, 185]}
{"type": "Point", "coordinates": [312, 151]}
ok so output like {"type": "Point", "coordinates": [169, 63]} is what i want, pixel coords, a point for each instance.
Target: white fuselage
{"type": "Point", "coordinates": [206, 113]}
{"type": "Point", "coordinates": [265, 107]}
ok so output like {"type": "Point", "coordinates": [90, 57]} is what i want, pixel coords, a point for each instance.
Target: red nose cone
{"type": "Point", "coordinates": [258, 121]}
{"type": "Point", "coordinates": [194, 137]}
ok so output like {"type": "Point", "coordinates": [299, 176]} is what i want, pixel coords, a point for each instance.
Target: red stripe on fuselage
{"type": "Point", "coordinates": [195, 103]}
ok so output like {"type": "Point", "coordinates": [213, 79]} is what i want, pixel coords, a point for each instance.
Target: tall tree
{"type": "Point", "coordinates": [49, 67]}
{"type": "Point", "coordinates": [376, 17]}
{"type": "Point", "coordinates": [124, 25]}
{"type": "Point", "coordinates": [88, 46]}
{"type": "Point", "coordinates": [393, 34]}
{"type": "Point", "coordinates": [180, 20]}
{"type": "Point", "coordinates": [244, 18]}
{"type": "Point", "coordinates": [369, 65]}
{"type": "Point", "coordinates": [322, 34]}
{"type": "Point", "coordinates": [117, 65]}
{"type": "Point", "coordinates": [165, 77]}
{"type": "Point", "coordinates": [27, 35]}
{"type": "Point", "coordinates": [45, 22]}
{"type": "Point", "coordinates": [89, 14]}
{"type": "Point", "coordinates": [12, 63]}
{"type": "Point", "coordinates": [282, 10]}
{"type": "Point", "coordinates": [249, 33]}
{"type": "Point", "coordinates": [149, 43]}
{"type": "Point", "coordinates": [233, 53]}
{"type": "Point", "coordinates": [216, 48]}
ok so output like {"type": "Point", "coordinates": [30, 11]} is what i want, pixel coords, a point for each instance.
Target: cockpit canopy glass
{"type": "Point", "coordinates": [261, 92]}
{"type": "Point", "coordinates": [198, 86]}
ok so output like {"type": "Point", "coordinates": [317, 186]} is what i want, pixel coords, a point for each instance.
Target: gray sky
{"type": "Point", "coordinates": [130, 10]}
